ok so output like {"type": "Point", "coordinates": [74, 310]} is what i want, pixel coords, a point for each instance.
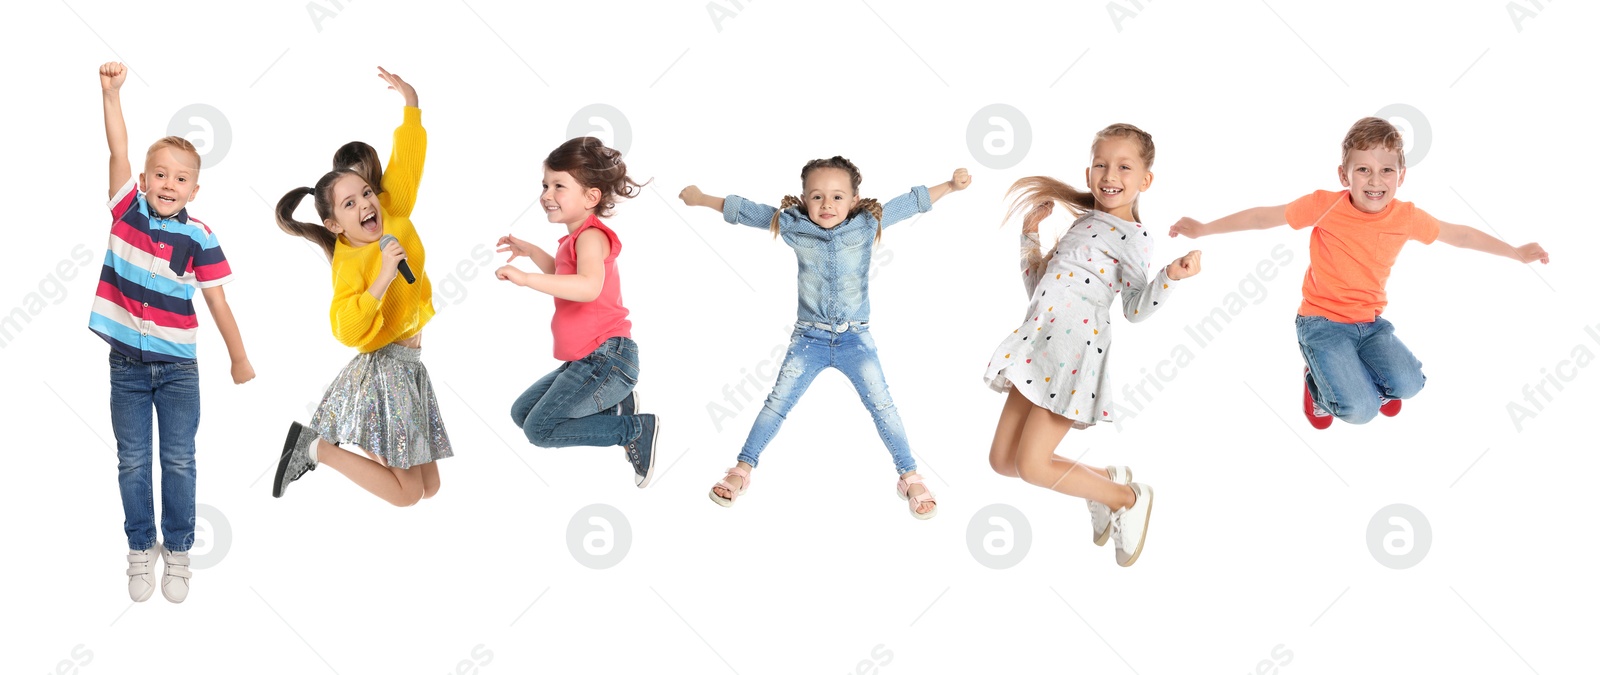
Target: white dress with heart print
{"type": "Point", "coordinates": [1057, 358]}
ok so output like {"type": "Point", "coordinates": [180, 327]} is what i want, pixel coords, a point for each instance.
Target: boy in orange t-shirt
{"type": "Point", "coordinates": [1355, 366]}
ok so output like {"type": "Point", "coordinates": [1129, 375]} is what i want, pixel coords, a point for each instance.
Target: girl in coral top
{"type": "Point", "coordinates": [383, 401]}
{"type": "Point", "coordinates": [588, 400]}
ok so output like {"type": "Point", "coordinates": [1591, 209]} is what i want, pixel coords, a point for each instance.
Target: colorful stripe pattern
{"type": "Point", "coordinates": [144, 306]}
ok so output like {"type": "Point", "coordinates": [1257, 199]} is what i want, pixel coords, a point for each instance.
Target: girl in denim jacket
{"type": "Point", "coordinates": [832, 231]}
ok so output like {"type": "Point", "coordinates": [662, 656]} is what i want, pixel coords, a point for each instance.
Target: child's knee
{"type": "Point", "coordinates": [1408, 386]}
{"type": "Point", "coordinates": [1041, 474]}
{"type": "Point", "coordinates": [1358, 413]}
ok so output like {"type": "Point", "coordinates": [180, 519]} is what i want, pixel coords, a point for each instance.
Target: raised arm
{"type": "Point", "coordinates": [1259, 218]}
{"type": "Point", "coordinates": [593, 247]}
{"type": "Point", "coordinates": [112, 75]}
{"type": "Point", "coordinates": [1462, 236]}
{"type": "Point", "coordinates": [403, 174]}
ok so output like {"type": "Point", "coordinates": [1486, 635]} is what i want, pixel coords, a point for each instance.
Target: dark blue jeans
{"type": "Point", "coordinates": [565, 408]}
{"type": "Point", "coordinates": [172, 392]}
{"type": "Point", "coordinates": [1355, 364]}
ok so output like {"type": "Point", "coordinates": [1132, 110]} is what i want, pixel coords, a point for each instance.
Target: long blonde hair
{"type": "Point", "coordinates": [1035, 190]}
{"type": "Point", "coordinates": [835, 162]}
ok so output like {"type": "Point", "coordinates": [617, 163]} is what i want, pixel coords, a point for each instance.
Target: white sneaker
{"type": "Point", "coordinates": [1100, 514]}
{"type": "Point", "coordinates": [141, 584]}
{"type": "Point", "coordinates": [1129, 525]}
{"type": "Point", "coordinates": [174, 575]}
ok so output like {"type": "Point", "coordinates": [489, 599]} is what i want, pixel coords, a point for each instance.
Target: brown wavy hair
{"type": "Point", "coordinates": [835, 162]}
{"type": "Point", "coordinates": [1373, 132]}
{"type": "Point", "coordinates": [594, 165]}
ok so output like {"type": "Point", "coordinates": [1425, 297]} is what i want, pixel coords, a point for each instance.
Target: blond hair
{"type": "Point", "coordinates": [1036, 190]}
{"type": "Point", "coordinates": [178, 143]}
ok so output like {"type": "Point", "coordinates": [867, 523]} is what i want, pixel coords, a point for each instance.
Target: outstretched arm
{"type": "Point", "coordinates": [1462, 236]}
{"type": "Point", "coordinates": [112, 75]}
{"type": "Point", "coordinates": [592, 248]}
{"type": "Point", "coordinates": [959, 180]}
{"type": "Point", "coordinates": [222, 315]}
{"type": "Point", "coordinates": [1259, 218]}
{"type": "Point", "coordinates": [694, 197]}
{"type": "Point", "coordinates": [736, 209]}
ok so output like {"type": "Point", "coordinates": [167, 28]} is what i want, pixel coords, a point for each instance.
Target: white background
{"type": "Point", "coordinates": [1258, 547]}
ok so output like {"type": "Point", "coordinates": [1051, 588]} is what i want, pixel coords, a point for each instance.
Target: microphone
{"type": "Point", "coordinates": [405, 270]}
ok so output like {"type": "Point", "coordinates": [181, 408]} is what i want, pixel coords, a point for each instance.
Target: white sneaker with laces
{"type": "Point", "coordinates": [1129, 525]}
{"type": "Point", "coordinates": [141, 584]}
{"type": "Point", "coordinates": [174, 575]}
{"type": "Point", "coordinates": [1100, 514]}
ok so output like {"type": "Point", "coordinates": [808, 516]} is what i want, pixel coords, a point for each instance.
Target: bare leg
{"type": "Point", "coordinates": [1038, 464]}
{"type": "Point", "coordinates": [401, 487]}
{"type": "Point", "coordinates": [1008, 436]}
{"type": "Point", "coordinates": [430, 479]}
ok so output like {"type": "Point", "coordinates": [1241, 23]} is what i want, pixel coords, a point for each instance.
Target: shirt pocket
{"type": "Point", "coordinates": [182, 249]}
{"type": "Point", "coordinates": [1388, 247]}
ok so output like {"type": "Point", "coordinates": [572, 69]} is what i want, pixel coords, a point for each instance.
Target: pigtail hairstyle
{"type": "Point", "coordinates": [594, 165]}
{"type": "Point", "coordinates": [835, 162]}
{"type": "Point", "coordinates": [322, 199]}
{"type": "Point", "coordinates": [1035, 190]}
{"type": "Point", "coordinates": [362, 159]}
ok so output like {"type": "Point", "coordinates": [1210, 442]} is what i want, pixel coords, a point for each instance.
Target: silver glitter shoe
{"type": "Point", "coordinates": [296, 458]}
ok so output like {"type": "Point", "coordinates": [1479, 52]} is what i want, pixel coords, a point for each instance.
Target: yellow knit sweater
{"type": "Point", "coordinates": [359, 320]}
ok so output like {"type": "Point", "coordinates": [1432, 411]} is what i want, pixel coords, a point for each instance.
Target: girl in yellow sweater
{"type": "Point", "coordinates": [383, 401]}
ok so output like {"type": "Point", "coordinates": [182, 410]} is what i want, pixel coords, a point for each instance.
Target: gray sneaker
{"type": "Point", "coordinates": [296, 458]}
{"type": "Point", "coordinates": [642, 450]}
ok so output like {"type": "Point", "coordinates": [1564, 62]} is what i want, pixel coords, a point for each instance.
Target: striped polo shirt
{"type": "Point", "coordinates": [144, 306]}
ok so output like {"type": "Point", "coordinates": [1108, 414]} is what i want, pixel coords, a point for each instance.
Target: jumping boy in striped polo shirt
{"type": "Point", "coordinates": [144, 307]}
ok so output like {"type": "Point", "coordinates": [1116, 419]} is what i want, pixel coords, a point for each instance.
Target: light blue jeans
{"type": "Point", "coordinates": [1354, 365]}
{"type": "Point", "coordinates": [172, 392]}
{"type": "Point", "coordinates": [811, 350]}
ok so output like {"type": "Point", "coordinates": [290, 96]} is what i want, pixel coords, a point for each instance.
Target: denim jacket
{"type": "Point", "coordinates": [833, 262]}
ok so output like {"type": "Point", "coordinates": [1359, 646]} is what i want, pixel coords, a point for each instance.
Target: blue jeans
{"type": "Point", "coordinates": [565, 407]}
{"type": "Point", "coordinates": [1353, 365]}
{"type": "Point", "coordinates": [852, 352]}
{"type": "Point", "coordinates": [172, 391]}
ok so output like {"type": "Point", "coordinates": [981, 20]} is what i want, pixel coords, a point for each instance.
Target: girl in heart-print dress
{"type": "Point", "coordinates": [1055, 365]}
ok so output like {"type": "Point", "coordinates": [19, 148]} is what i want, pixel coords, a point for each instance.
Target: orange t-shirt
{"type": "Point", "coordinates": [1352, 252]}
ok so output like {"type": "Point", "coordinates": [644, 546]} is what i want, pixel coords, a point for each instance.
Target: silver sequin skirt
{"type": "Point", "coordinates": [383, 401]}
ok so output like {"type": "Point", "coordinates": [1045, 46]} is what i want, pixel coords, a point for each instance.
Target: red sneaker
{"type": "Point", "coordinates": [1390, 407]}
{"type": "Point", "coordinates": [1318, 417]}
